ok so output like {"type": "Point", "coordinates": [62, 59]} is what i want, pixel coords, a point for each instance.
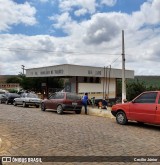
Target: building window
{"type": "Point", "coordinates": [85, 79]}
{"type": "Point", "coordinates": [91, 79]}
{"type": "Point", "coordinates": [97, 80]}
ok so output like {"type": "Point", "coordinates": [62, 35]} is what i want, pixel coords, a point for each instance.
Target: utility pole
{"type": "Point", "coordinates": [23, 68]}
{"type": "Point", "coordinates": [106, 82]}
{"type": "Point", "coordinates": [123, 70]}
{"type": "Point", "coordinates": [103, 82]}
{"type": "Point", "coordinates": [109, 77]}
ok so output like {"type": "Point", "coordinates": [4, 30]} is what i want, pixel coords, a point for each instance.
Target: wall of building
{"type": "Point", "coordinates": [9, 86]}
{"type": "Point", "coordinates": [97, 89]}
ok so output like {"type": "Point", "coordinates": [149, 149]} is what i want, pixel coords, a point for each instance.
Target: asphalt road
{"type": "Point", "coordinates": [31, 132]}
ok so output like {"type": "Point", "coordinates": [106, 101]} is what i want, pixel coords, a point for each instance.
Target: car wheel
{"type": "Point", "coordinates": [14, 103]}
{"type": "Point", "coordinates": [59, 109]}
{"type": "Point", "coordinates": [121, 118]}
{"type": "Point", "coordinates": [43, 108]}
{"type": "Point", "coordinates": [0, 101]}
{"type": "Point", "coordinates": [24, 105]}
{"type": "Point", "coordinates": [37, 106]}
{"type": "Point", "coordinates": [78, 111]}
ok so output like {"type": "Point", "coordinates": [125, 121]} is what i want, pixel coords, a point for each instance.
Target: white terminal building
{"type": "Point", "coordinates": [96, 81]}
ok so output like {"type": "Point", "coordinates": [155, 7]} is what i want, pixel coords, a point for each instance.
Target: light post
{"type": "Point", "coordinates": [23, 68]}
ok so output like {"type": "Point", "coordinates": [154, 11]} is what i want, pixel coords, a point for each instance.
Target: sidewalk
{"type": "Point", "coordinates": [99, 112]}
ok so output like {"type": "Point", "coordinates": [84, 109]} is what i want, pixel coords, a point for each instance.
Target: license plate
{"type": "Point", "coordinates": [74, 103]}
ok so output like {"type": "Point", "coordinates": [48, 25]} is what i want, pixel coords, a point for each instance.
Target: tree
{"type": "Point", "coordinates": [35, 84]}
{"type": "Point", "coordinates": [119, 88]}
{"type": "Point", "coordinates": [135, 88]}
{"type": "Point", "coordinates": [14, 79]}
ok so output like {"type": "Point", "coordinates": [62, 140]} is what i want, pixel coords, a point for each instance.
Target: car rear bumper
{"type": "Point", "coordinates": [72, 107]}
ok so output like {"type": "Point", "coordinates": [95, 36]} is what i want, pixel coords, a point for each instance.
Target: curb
{"type": "Point", "coordinates": [99, 112]}
{"type": "Point", "coordinates": [0, 142]}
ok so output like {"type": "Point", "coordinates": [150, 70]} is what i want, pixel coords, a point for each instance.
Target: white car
{"type": "Point", "coordinates": [27, 99]}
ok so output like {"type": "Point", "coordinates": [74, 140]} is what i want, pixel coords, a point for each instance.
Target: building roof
{"type": "Point", "coordinates": [69, 70]}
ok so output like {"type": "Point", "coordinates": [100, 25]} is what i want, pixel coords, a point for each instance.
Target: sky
{"type": "Point", "coordinates": [38, 33]}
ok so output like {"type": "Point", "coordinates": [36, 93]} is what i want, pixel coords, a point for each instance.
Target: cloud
{"type": "Point", "coordinates": [84, 6]}
{"type": "Point", "coordinates": [94, 41]}
{"type": "Point", "coordinates": [61, 20]}
{"type": "Point", "coordinates": [68, 5]}
{"type": "Point", "coordinates": [149, 14]}
{"type": "Point", "coordinates": [31, 51]}
{"type": "Point", "coordinates": [13, 14]}
{"type": "Point", "coordinates": [141, 40]}
{"type": "Point", "coordinates": [108, 2]}
{"type": "Point", "coordinates": [64, 22]}
{"type": "Point", "coordinates": [104, 27]}
{"type": "Point", "coordinates": [150, 11]}
{"type": "Point", "coordinates": [80, 12]}
{"type": "Point", "coordinates": [101, 29]}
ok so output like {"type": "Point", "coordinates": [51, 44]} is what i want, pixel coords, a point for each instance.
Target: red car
{"type": "Point", "coordinates": [63, 101]}
{"type": "Point", "coordinates": [145, 108]}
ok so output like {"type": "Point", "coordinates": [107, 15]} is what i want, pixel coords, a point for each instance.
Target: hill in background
{"type": "Point", "coordinates": [149, 80]}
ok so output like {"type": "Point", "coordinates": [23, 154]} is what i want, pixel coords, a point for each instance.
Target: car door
{"type": "Point", "coordinates": [59, 99]}
{"type": "Point", "coordinates": [157, 118]}
{"type": "Point", "coordinates": [50, 102]}
{"type": "Point", "coordinates": [20, 99]}
{"type": "Point", "coordinates": [143, 108]}
{"type": "Point", "coordinates": [54, 100]}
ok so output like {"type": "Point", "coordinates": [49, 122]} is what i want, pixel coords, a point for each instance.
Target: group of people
{"type": "Point", "coordinates": [101, 104]}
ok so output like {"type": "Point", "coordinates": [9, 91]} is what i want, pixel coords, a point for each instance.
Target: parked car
{"type": "Point", "coordinates": [10, 97]}
{"type": "Point", "coordinates": [63, 101]}
{"type": "Point", "coordinates": [2, 98]}
{"type": "Point", "coordinates": [145, 108]}
{"type": "Point", "coordinates": [27, 99]}
{"type": "Point", "coordinates": [2, 91]}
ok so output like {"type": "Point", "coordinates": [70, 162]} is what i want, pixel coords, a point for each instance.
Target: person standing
{"type": "Point", "coordinates": [85, 102]}
{"type": "Point", "coordinates": [93, 101]}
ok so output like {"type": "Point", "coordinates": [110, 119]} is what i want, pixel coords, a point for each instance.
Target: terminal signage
{"type": "Point", "coordinates": [97, 72]}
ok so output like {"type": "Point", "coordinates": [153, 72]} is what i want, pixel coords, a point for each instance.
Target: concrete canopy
{"type": "Point", "coordinates": [68, 70]}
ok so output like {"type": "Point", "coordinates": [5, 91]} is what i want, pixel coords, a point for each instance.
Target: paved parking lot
{"type": "Point", "coordinates": [31, 132]}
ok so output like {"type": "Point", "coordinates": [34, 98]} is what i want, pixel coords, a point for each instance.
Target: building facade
{"type": "Point", "coordinates": [97, 81]}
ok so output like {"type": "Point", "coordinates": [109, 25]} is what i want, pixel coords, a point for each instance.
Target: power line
{"type": "Point", "coordinates": [115, 60]}
{"type": "Point", "coordinates": [53, 51]}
